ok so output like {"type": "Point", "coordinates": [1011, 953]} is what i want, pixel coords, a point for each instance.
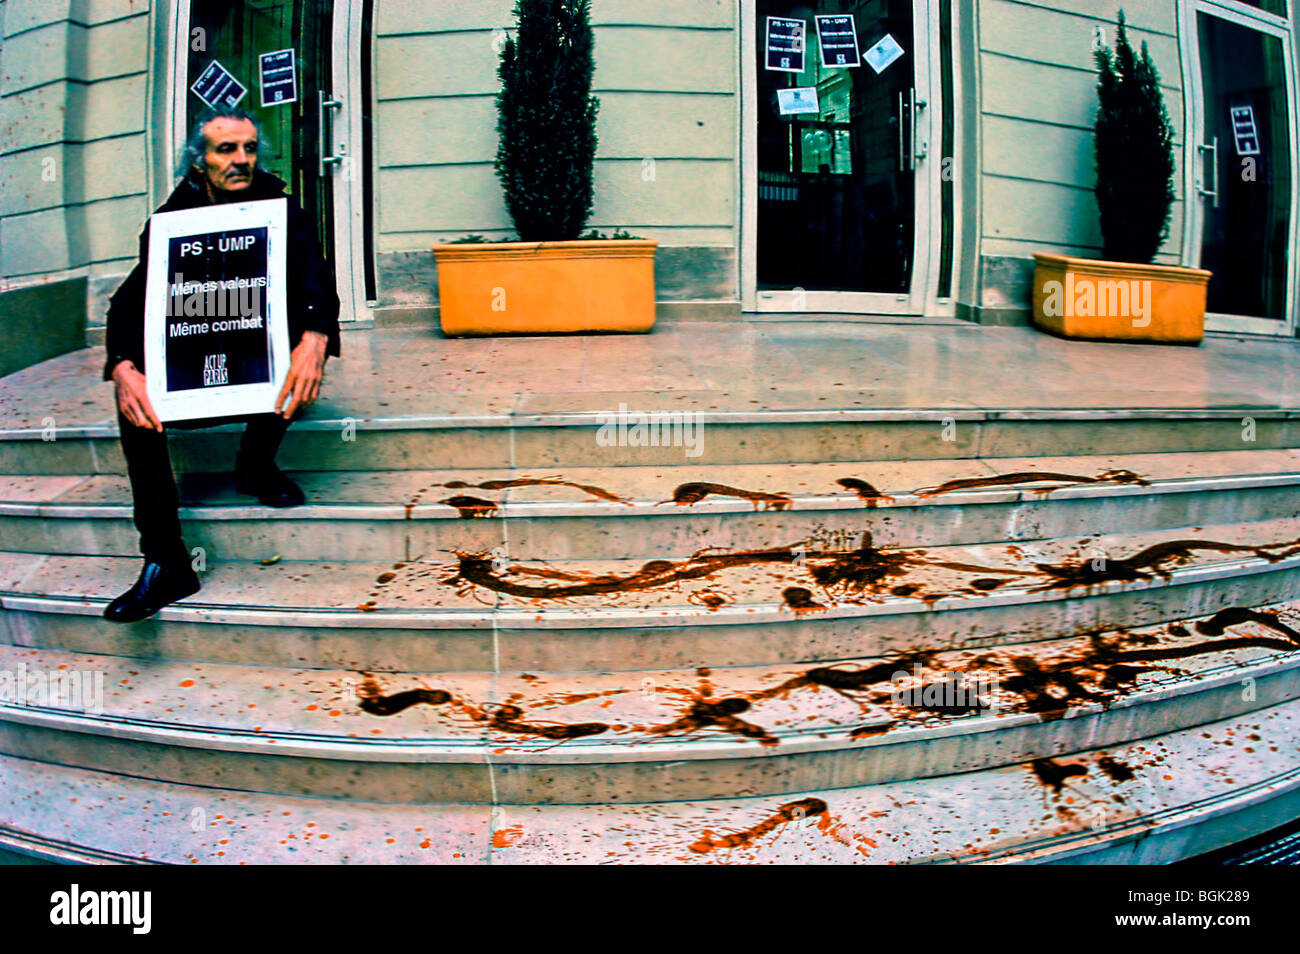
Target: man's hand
{"type": "Point", "coordinates": [133, 397]}
{"type": "Point", "coordinates": [306, 370]}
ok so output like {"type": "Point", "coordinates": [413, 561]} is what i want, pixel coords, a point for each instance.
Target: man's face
{"type": "Point", "coordinates": [231, 153]}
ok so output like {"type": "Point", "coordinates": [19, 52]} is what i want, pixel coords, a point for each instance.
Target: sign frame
{"type": "Point", "coordinates": [216, 401]}
{"type": "Point", "coordinates": [821, 41]}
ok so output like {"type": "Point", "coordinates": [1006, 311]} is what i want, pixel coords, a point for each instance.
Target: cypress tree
{"type": "Point", "coordinates": [1134, 152]}
{"type": "Point", "coordinates": [546, 120]}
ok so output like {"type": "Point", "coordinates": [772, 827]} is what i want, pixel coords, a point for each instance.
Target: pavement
{"type": "Point", "coordinates": [760, 367]}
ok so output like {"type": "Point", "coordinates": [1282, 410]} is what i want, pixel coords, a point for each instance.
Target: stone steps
{"type": "Point", "coordinates": [663, 512]}
{"type": "Point", "coordinates": [1149, 801]}
{"type": "Point", "coordinates": [617, 652]}
{"type": "Point", "coordinates": [451, 613]}
{"type": "Point", "coordinates": [649, 736]}
{"type": "Point", "coordinates": [474, 441]}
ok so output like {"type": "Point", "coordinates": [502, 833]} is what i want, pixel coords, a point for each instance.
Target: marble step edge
{"type": "Point", "coordinates": [1161, 824]}
{"type": "Point", "coordinates": [58, 852]}
{"type": "Point", "coordinates": [604, 617]}
{"type": "Point", "coordinates": [501, 750]}
{"type": "Point", "coordinates": [594, 419]}
{"type": "Point", "coordinates": [650, 508]}
{"type": "Point", "coordinates": [1159, 833]}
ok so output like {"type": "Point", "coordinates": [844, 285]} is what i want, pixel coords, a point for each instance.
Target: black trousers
{"type": "Point", "coordinates": [153, 486]}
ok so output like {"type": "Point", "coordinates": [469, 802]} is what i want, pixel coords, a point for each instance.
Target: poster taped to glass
{"type": "Point", "coordinates": [798, 101]}
{"type": "Point", "coordinates": [786, 44]}
{"type": "Point", "coordinates": [837, 36]}
{"type": "Point", "coordinates": [884, 53]}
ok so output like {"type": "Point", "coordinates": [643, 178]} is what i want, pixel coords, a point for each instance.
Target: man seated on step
{"type": "Point", "coordinates": [220, 165]}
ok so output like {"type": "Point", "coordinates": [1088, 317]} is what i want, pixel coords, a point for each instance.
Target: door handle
{"type": "Point", "coordinates": [920, 148]}
{"type": "Point", "coordinates": [902, 134]}
{"type": "Point", "coordinates": [327, 107]}
{"type": "Point", "coordinates": [1212, 148]}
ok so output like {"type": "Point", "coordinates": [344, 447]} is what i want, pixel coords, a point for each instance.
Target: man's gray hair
{"type": "Point", "coordinates": [196, 145]}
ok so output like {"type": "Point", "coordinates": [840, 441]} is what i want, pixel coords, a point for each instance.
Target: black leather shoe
{"type": "Point", "coordinates": [271, 487]}
{"type": "Point", "coordinates": [158, 586]}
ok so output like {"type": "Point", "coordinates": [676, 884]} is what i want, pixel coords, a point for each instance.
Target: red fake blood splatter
{"type": "Point", "coordinates": [868, 494]}
{"type": "Point", "coordinates": [1032, 477]}
{"type": "Point", "coordinates": [692, 493]}
{"type": "Point", "coordinates": [471, 507]}
{"type": "Point", "coordinates": [1233, 615]}
{"type": "Point", "coordinates": [800, 600]}
{"type": "Point", "coordinates": [1113, 767]}
{"type": "Point", "coordinates": [786, 814]}
{"type": "Point", "coordinates": [373, 700]}
{"type": "Point", "coordinates": [505, 837]}
{"type": "Point", "coordinates": [1152, 561]}
{"type": "Point", "coordinates": [1053, 774]}
{"type": "Point", "coordinates": [591, 489]}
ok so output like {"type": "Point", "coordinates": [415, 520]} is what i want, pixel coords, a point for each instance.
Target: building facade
{"type": "Point", "coordinates": [918, 183]}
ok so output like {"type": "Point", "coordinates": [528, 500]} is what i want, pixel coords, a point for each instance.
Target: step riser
{"type": "Point", "coordinates": [677, 532]}
{"type": "Point", "coordinates": [345, 449]}
{"type": "Point", "coordinates": [637, 648]}
{"type": "Point", "coordinates": [555, 782]}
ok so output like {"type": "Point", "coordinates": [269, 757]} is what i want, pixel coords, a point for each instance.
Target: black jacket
{"type": "Point", "coordinates": [312, 300]}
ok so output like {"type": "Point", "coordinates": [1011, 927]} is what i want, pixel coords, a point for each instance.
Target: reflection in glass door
{"type": "Point", "coordinates": [1244, 169]}
{"type": "Point", "coordinates": [316, 140]}
{"type": "Point", "coordinates": [842, 152]}
{"type": "Point", "coordinates": [235, 34]}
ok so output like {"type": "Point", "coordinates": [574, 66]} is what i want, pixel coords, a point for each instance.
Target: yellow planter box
{"type": "Point", "coordinates": [1115, 301]}
{"type": "Point", "coordinates": [547, 287]}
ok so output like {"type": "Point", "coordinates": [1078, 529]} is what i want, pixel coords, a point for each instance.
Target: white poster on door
{"type": "Point", "coordinates": [796, 102]}
{"type": "Point", "coordinates": [884, 53]}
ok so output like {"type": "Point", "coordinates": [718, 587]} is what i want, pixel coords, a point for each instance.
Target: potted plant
{"type": "Point", "coordinates": [555, 278]}
{"type": "Point", "coordinates": [1125, 296]}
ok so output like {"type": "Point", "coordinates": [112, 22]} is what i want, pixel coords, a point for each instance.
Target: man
{"type": "Point", "coordinates": [220, 163]}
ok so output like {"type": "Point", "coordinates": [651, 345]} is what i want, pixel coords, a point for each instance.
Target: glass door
{"type": "Point", "coordinates": [289, 63]}
{"type": "Point", "coordinates": [843, 155]}
{"type": "Point", "coordinates": [1244, 164]}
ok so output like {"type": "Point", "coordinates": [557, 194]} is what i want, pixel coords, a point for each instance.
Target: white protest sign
{"type": "Point", "coordinates": [216, 322]}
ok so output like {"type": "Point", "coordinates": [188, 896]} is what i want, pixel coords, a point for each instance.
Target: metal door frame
{"type": "Point", "coordinates": [1194, 164]}
{"type": "Point", "coordinates": [922, 297]}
